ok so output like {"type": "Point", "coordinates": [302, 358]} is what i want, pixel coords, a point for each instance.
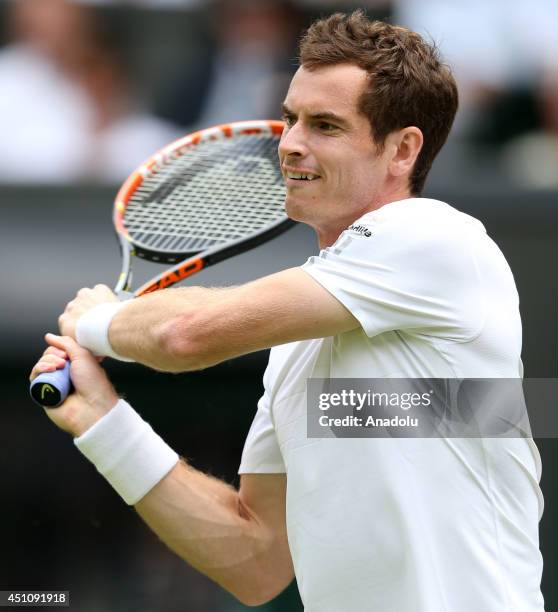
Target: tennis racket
{"type": "Point", "coordinates": [202, 199]}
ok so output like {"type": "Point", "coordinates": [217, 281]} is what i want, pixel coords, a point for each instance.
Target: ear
{"type": "Point", "coordinates": [405, 145]}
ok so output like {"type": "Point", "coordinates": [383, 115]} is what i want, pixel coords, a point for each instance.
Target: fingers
{"type": "Point", "coordinates": [85, 299]}
{"type": "Point", "coordinates": [104, 291]}
{"type": "Point", "coordinates": [52, 350]}
{"type": "Point", "coordinates": [49, 362]}
{"type": "Point", "coordinates": [99, 293]}
{"type": "Point", "coordinates": [66, 345]}
{"type": "Point", "coordinates": [52, 359]}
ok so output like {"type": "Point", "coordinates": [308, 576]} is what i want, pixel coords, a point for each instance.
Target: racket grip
{"type": "Point", "coordinates": [51, 388]}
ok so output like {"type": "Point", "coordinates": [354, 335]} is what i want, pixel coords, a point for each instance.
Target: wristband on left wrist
{"type": "Point", "coordinates": [92, 330]}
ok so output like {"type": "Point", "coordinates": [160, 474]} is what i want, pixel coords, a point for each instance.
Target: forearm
{"type": "Point", "coordinates": [204, 521]}
{"type": "Point", "coordinates": [185, 329]}
{"type": "Point", "coordinates": [145, 329]}
{"type": "Point", "coordinates": [191, 328]}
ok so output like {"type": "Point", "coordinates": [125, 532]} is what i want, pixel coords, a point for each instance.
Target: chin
{"type": "Point", "coordinates": [295, 210]}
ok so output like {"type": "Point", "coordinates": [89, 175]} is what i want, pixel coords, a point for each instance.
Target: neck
{"type": "Point", "coordinates": [328, 235]}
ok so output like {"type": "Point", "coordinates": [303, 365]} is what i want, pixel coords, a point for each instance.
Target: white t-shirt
{"type": "Point", "coordinates": [406, 525]}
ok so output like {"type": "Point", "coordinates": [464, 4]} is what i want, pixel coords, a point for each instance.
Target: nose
{"type": "Point", "coordinates": [293, 141]}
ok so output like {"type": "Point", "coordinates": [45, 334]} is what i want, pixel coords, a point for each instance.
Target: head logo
{"type": "Point", "coordinates": [360, 229]}
{"type": "Point", "coordinates": [44, 389]}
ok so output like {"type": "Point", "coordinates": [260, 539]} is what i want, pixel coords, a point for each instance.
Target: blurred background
{"type": "Point", "coordinates": [90, 89]}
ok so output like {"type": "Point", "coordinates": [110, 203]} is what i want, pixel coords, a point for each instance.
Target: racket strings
{"type": "Point", "coordinates": [214, 193]}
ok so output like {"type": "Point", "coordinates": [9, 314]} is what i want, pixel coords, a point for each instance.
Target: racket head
{"type": "Point", "coordinates": [215, 187]}
{"type": "Point", "coordinates": [201, 199]}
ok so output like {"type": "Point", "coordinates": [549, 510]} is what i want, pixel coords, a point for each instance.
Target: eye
{"type": "Point", "coordinates": [324, 126]}
{"type": "Point", "coordinates": [289, 120]}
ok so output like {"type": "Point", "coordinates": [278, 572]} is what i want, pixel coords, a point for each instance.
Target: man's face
{"type": "Point", "coordinates": [330, 142]}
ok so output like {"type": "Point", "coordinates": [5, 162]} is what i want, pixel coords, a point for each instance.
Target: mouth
{"type": "Point", "coordinates": [300, 176]}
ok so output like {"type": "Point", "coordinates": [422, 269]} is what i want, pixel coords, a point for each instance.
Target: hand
{"type": "Point", "coordinates": [94, 395]}
{"type": "Point", "coordinates": [84, 301]}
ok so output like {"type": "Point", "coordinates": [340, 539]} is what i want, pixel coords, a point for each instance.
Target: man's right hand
{"type": "Point", "coordinates": [93, 396]}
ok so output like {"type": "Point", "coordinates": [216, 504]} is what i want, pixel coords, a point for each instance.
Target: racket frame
{"type": "Point", "coordinates": [186, 264]}
{"type": "Point", "coordinates": [189, 263]}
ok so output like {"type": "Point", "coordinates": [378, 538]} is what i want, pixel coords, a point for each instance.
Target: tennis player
{"type": "Point", "coordinates": [403, 287]}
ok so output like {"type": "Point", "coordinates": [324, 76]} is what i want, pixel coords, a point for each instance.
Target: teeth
{"type": "Point", "coordinates": [299, 175]}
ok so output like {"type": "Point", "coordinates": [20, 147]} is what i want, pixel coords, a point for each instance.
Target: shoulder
{"type": "Point", "coordinates": [417, 232]}
{"type": "Point", "coordinates": [420, 217]}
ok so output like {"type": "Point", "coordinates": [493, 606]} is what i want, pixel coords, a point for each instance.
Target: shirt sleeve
{"type": "Point", "coordinates": [413, 277]}
{"type": "Point", "coordinates": [261, 452]}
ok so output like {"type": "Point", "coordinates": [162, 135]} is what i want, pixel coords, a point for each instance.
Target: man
{"type": "Point", "coordinates": [403, 287]}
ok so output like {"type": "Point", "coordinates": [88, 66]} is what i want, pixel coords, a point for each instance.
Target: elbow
{"type": "Point", "coordinates": [254, 597]}
{"type": "Point", "coordinates": [254, 602]}
{"type": "Point", "coordinates": [250, 600]}
{"type": "Point", "coordinates": [262, 579]}
{"type": "Point", "coordinates": [261, 585]}
{"type": "Point", "coordinates": [185, 343]}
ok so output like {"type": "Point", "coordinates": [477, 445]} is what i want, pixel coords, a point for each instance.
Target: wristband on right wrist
{"type": "Point", "coordinates": [127, 452]}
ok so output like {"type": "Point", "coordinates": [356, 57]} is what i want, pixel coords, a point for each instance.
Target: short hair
{"type": "Point", "coordinates": [408, 83]}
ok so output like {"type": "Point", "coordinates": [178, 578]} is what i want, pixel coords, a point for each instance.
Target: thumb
{"type": "Point", "coordinates": [87, 375]}
{"type": "Point", "coordinates": [94, 395]}
{"type": "Point", "coordinates": [67, 344]}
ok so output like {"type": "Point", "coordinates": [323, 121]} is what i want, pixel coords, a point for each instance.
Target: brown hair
{"type": "Point", "coordinates": [408, 83]}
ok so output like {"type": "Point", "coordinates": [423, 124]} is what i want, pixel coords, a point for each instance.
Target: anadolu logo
{"type": "Point", "coordinates": [360, 229]}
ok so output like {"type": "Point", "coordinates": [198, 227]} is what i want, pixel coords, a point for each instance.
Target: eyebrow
{"type": "Point", "coordinates": [321, 116]}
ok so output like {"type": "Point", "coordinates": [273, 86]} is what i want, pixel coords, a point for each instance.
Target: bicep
{"type": "Point", "coordinates": [280, 308]}
{"type": "Point", "coordinates": [262, 498]}
{"type": "Point", "coordinates": [310, 309]}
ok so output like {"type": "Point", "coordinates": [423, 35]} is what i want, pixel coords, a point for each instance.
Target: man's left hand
{"type": "Point", "coordinates": [84, 301]}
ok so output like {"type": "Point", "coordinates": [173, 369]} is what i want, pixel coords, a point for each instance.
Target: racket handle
{"type": "Point", "coordinates": [51, 388]}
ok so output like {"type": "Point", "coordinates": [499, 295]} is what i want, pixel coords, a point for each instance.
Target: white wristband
{"type": "Point", "coordinates": [127, 452]}
{"type": "Point", "coordinates": [92, 330]}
